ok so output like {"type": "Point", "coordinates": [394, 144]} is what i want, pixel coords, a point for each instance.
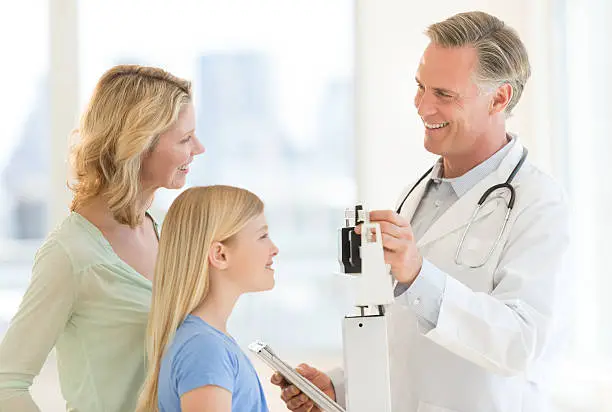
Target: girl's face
{"type": "Point", "coordinates": [250, 257]}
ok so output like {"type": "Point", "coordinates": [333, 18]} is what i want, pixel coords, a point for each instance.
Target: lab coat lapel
{"type": "Point", "coordinates": [460, 213]}
{"type": "Point", "coordinates": [412, 202]}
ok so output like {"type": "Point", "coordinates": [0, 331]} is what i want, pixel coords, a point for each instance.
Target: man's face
{"type": "Point", "coordinates": [456, 115]}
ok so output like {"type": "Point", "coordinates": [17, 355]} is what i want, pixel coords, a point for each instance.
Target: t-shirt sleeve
{"type": "Point", "coordinates": [202, 361]}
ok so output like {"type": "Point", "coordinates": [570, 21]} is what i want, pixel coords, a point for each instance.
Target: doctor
{"type": "Point", "coordinates": [478, 300]}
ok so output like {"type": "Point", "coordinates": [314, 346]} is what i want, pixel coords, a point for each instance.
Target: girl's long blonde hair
{"type": "Point", "coordinates": [198, 217]}
{"type": "Point", "coordinates": [130, 107]}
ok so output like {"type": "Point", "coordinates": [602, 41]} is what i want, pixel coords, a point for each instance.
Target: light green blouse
{"type": "Point", "coordinates": [93, 307]}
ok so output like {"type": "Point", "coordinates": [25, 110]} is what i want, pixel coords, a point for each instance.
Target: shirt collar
{"type": "Point", "coordinates": [462, 184]}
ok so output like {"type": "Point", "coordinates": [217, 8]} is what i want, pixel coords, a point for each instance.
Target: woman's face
{"type": "Point", "coordinates": [167, 164]}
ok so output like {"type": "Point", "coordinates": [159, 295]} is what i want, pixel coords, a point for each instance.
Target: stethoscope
{"type": "Point", "coordinates": [506, 185]}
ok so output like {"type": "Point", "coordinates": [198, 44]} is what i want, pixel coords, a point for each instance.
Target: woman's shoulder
{"type": "Point", "coordinates": [73, 240]}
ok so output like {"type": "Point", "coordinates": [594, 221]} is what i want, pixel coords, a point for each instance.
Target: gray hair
{"type": "Point", "coordinates": [502, 56]}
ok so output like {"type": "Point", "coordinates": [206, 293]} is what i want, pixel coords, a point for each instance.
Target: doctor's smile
{"type": "Point", "coordinates": [435, 125]}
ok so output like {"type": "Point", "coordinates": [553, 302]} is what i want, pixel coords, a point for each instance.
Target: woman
{"type": "Point", "coordinates": [90, 291]}
{"type": "Point", "coordinates": [214, 247]}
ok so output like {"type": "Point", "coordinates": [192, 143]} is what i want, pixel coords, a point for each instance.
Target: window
{"type": "Point", "coordinates": [24, 145]}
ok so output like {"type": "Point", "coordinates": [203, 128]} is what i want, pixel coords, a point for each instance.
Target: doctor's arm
{"type": "Point", "coordinates": [505, 330]}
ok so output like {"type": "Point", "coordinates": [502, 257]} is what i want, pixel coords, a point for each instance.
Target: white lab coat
{"type": "Point", "coordinates": [495, 329]}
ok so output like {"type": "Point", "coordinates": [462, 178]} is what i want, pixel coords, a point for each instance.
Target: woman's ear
{"type": "Point", "coordinates": [217, 256]}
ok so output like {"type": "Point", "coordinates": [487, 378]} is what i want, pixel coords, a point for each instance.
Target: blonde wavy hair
{"type": "Point", "coordinates": [502, 56]}
{"type": "Point", "coordinates": [130, 107]}
{"type": "Point", "coordinates": [198, 217]}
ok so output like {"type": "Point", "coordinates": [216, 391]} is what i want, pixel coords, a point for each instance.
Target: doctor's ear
{"type": "Point", "coordinates": [501, 98]}
{"type": "Point", "coordinates": [218, 256]}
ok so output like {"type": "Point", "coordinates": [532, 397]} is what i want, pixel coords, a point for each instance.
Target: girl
{"type": "Point", "coordinates": [214, 247]}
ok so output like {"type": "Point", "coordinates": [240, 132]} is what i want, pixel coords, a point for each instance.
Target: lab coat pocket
{"type": "Point", "coordinates": [474, 253]}
{"type": "Point", "coordinates": [427, 407]}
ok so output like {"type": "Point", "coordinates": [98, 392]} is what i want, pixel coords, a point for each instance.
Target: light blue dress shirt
{"type": "Point", "coordinates": [426, 292]}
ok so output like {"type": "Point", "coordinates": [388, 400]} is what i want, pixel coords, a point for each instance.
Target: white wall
{"type": "Point", "coordinates": [64, 77]}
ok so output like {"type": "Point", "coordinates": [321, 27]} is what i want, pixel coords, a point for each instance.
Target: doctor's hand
{"type": "Point", "coordinates": [399, 245]}
{"type": "Point", "coordinates": [297, 401]}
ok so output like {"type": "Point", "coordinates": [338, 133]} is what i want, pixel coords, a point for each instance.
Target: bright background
{"type": "Point", "coordinates": [307, 103]}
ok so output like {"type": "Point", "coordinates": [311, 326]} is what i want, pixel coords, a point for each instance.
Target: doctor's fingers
{"type": "Point", "coordinates": [389, 216]}
{"type": "Point", "coordinates": [290, 392]}
{"type": "Point", "coordinates": [278, 380]}
{"type": "Point", "coordinates": [398, 232]}
{"type": "Point", "coordinates": [300, 404]}
{"type": "Point", "coordinates": [395, 245]}
{"type": "Point", "coordinates": [309, 407]}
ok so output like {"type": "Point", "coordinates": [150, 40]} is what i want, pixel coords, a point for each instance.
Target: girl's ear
{"type": "Point", "coordinates": [217, 256]}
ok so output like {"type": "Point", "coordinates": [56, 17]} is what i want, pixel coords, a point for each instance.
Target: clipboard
{"type": "Point", "coordinates": [266, 354]}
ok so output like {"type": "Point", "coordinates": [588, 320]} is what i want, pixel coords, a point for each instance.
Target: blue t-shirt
{"type": "Point", "coordinates": [201, 355]}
